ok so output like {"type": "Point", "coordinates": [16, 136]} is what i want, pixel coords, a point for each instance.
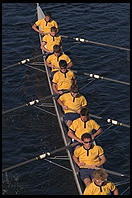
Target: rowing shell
{"type": "Point", "coordinates": [60, 118]}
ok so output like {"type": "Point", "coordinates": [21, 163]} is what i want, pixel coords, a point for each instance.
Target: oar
{"type": "Point", "coordinates": [109, 120]}
{"type": "Point", "coordinates": [108, 171]}
{"type": "Point", "coordinates": [24, 105]}
{"type": "Point", "coordinates": [22, 62]}
{"type": "Point", "coordinates": [93, 42]}
{"type": "Point", "coordinates": [33, 102]}
{"type": "Point", "coordinates": [42, 156]}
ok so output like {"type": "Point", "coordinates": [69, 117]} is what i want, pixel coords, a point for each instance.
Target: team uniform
{"type": "Point", "coordinates": [79, 127]}
{"type": "Point", "coordinates": [46, 26]}
{"type": "Point", "coordinates": [72, 103]}
{"type": "Point", "coordinates": [51, 41]}
{"type": "Point", "coordinates": [89, 157]}
{"type": "Point", "coordinates": [54, 60]}
{"type": "Point", "coordinates": [63, 80]}
{"type": "Point", "coordinates": [104, 189]}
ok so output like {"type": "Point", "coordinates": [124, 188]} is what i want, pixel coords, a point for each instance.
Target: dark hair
{"type": "Point", "coordinates": [84, 112]}
{"type": "Point", "coordinates": [74, 88]}
{"type": "Point", "coordinates": [56, 48]}
{"type": "Point", "coordinates": [62, 63]}
{"type": "Point", "coordinates": [53, 29]}
{"type": "Point", "coordinates": [86, 135]}
{"type": "Point", "coordinates": [47, 14]}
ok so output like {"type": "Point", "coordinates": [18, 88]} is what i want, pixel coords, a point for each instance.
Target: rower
{"type": "Point", "coordinates": [72, 103]}
{"type": "Point", "coordinates": [53, 60]}
{"type": "Point", "coordinates": [45, 24]}
{"type": "Point", "coordinates": [88, 157]}
{"type": "Point", "coordinates": [49, 40]}
{"type": "Point", "coordinates": [82, 125]}
{"type": "Point", "coordinates": [100, 185]}
{"type": "Point", "coordinates": [63, 79]}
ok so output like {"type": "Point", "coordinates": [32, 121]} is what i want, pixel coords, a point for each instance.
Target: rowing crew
{"type": "Point", "coordinates": [87, 156]}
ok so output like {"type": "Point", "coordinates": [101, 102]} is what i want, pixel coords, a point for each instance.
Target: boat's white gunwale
{"type": "Point", "coordinates": [58, 115]}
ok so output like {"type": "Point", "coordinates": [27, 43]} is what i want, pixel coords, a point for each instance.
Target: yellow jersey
{"type": "Point", "coordinates": [73, 103]}
{"type": "Point", "coordinates": [80, 127]}
{"type": "Point", "coordinates": [46, 26]}
{"type": "Point", "coordinates": [89, 157]}
{"type": "Point", "coordinates": [54, 60]}
{"type": "Point", "coordinates": [94, 189]}
{"type": "Point", "coordinates": [63, 80]}
{"type": "Point", "coordinates": [51, 41]}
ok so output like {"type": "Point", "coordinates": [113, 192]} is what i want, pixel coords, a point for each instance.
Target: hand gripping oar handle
{"type": "Point", "coordinates": [42, 156]}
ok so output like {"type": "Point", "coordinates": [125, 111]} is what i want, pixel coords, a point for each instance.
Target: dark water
{"type": "Point", "coordinates": [28, 132]}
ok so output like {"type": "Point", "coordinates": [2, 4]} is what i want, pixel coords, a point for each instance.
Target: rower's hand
{"type": "Point", "coordinates": [41, 32]}
{"type": "Point", "coordinates": [81, 164]}
{"type": "Point", "coordinates": [60, 92]}
{"type": "Point", "coordinates": [92, 166]}
{"type": "Point", "coordinates": [65, 107]}
{"type": "Point", "coordinates": [53, 67]}
{"type": "Point", "coordinates": [80, 141]}
{"type": "Point", "coordinates": [78, 111]}
{"type": "Point", "coordinates": [92, 136]}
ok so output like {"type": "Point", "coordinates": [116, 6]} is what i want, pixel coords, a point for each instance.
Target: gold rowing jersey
{"type": "Point", "coordinates": [73, 103]}
{"type": "Point", "coordinates": [63, 80]}
{"type": "Point", "coordinates": [80, 127]}
{"type": "Point", "coordinates": [89, 157]}
{"type": "Point", "coordinates": [51, 41]}
{"type": "Point", "coordinates": [54, 60]}
{"type": "Point", "coordinates": [46, 26]}
{"type": "Point", "coordinates": [94, 189]}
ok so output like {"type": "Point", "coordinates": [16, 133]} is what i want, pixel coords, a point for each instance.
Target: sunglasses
{"type": "Point", "coordinates": [88, 142]}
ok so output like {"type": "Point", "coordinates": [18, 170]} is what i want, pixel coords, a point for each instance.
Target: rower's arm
{"type": "Point", "coordinates": [60, 103]}
{"type": "Point", "coordinates": [36, 29]}
{"type": "Point", "coordinates": [116, 192]}
{"type": "Point", "coordinates": [43, 43]}
{"type": "Point", "coordinates": [76, 160]}
{"type": "Point", "coordinates": [55, 88]}
{"type": "Point", "coordinates": [49, 64]}
{"type": "Point", "coordinates": [98, 132]}
{"type": "Point", "coordinates": [102, 160]}
{"type": "Point", "coordinates": [69, 65]}
{"type": "Point", "coordinates": [73, 136]}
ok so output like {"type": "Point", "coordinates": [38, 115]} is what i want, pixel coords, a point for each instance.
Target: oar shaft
{"type": "Point", "coordinates": [96, 43]}
{"type": "Point", "coordinates": [18, 165]}
{"type": "Point", "coordinates": [22, 62]}
{"type": "Point", "coordinates": [13, 109]}
{"type": "Point", "coordinates": [42, 156]}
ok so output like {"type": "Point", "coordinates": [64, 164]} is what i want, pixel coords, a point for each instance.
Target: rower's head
{"type": "Point", "coordinates": [87, 140]}
{"type": "Point", "coordinates": [53, 30]}
{"type": "Point", "coordinates": [99, 176]}
{"type": "Point", "coordinates": [57, 50]}
{"type": "Point", "coordinates": [47, 16]}
{"type": "Point", "coordinates": [74, 90]}
{"type": "Point", "coordinates": [63, 66]}
{"type": "Point", "coordinates": [84, 114]}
